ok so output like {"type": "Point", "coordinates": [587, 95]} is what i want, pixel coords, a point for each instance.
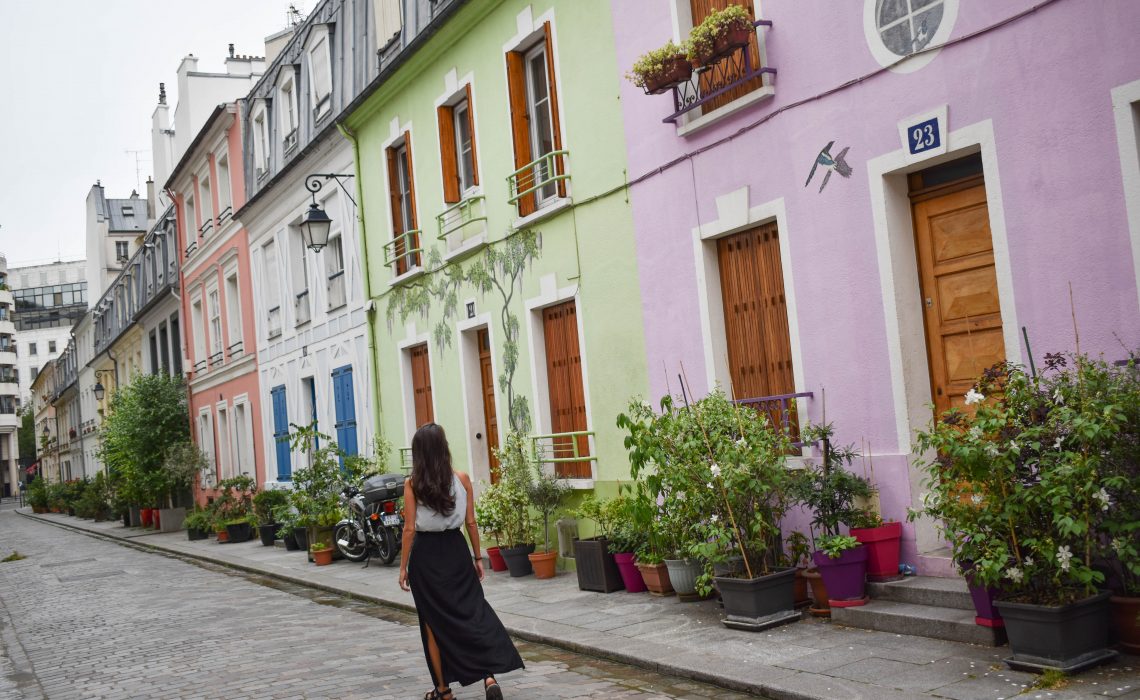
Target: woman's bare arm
{"type": "Point", "coordinates": [472, 526]}
{"type": "Point", "coordinates": [409, 532]}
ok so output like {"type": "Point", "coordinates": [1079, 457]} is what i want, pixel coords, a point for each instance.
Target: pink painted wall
{"type": "Point", "coordinates": [1045, 83]}
{"type": "Point", "coordinates": [208, 270]}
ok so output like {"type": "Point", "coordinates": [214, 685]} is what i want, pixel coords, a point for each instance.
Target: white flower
{"type": "Point", "coordinates": [1103, 497]}
{"type": "Point", "coordinates": [680, 495]}
{"type": "Point", "coordinates": [976, 498]}
{"type": "Point", "coordinates": [1057, 443]}
{"type": "Point", "coordinates": [714, 517]}
{"type": "Point", "coordinates": [709, 484]}
{"type": "Point", "coordinates": [974, 396]}
{"type": "Point", "coordinates": [646, 405]}
{"type": "Point", "coordinates": [1014, 574]}
{"type": "Point", "coordinates": [1118, 545]}
{"type": "Point", "coordinates": [715, 469]}
{"type": "Point", "coordinates": [992, 449]}
{"type": "Point", "coordinates": [1058, 397]}
{"type": "Point", "coordinates": [1013, 447]}
{"type": "Point", "coordinates": [660, 500]}
{"type": "Point", "coordinates": [1029, 561]}
{"type": "Point", "coordinates": [1063, 557]}
{"type": "Point", "coordinates": [975, 433]}
{"type": "Point", "coordinates": [741, 443]}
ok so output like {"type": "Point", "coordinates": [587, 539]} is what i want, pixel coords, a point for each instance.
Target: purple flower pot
{"type": "Point", "coordinates": [630, 576]}
{"type": "Point", "coordinates": [845, 577]}
{"type": "Point", "coordinates": [987, 614]}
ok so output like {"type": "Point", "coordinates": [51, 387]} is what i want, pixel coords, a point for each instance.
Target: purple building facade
{"type": "Point", "coordinates": [966, 165]}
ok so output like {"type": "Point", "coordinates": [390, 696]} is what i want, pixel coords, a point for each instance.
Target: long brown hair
{"type": "Point", "coordinates": [432, 475]}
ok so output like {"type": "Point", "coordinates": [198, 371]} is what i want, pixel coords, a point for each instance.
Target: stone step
{"type": "Point", "coordinates": [951, 624]}
{"type": "Point", "coordinates": [925, 590]}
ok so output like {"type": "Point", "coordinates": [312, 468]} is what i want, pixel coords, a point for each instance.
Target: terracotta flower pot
{"type": "Point", "coordinates": [1126, 621]}
{"type": "Point", "coordinates": [676, 71]}
{"type": "Point", "coordinates": [729, 41]}
{"type": "Point", "coordinates": [656, 577]}
{"type": "Point", "coordinates": [821, 607]}
{"type": "Point", "coordinates": [497, 561]}
{"type": "Point", "coordinates": [147, 515]}
{"type": "Point", "coordinates": [223, 536]}
{"type": "Point", "coordinates": [543, 563]}
{"type": "Point", "coordinates": [322, 557]}
{"type": "Point", "coordinates": [802, 589]}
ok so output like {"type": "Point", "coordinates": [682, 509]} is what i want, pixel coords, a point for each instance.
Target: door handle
{"type": "Point", "coordinates": [940, 391]}
{"type": "Point", "coordinates": [929, 303]}
{"type": "Point", "coordinates": [478, 436]}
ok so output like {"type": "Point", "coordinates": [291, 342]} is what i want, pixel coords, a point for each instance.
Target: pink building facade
{"type": "Point", "coordinates": [966, 165]}
{"type": "Point", "coordinates": [217, 301]}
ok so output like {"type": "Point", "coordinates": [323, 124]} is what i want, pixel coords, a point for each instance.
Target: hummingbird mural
{"type": "Point", "coordinates": [830, 163]}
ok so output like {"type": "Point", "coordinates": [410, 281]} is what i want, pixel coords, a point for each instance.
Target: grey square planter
{"type": "Point", "coordinates": [170, 519]}
{"type": "Point", "coordinates": [759, 603]}
{"type": "Point", "coordinates": [1069, 638]}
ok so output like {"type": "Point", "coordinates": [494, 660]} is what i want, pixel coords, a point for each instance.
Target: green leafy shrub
{"type": "Point", "coordinates": [267, 502]}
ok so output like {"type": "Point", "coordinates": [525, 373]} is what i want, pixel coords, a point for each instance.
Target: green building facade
{"type": "Point", "coordinates": [499, 239]}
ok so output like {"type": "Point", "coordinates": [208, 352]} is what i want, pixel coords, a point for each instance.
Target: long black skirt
{"type": "Point", "coordinates": [449, 599]}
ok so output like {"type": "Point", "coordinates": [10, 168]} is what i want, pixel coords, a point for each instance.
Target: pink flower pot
{"type": "Point", "coordinates": [630, 576]}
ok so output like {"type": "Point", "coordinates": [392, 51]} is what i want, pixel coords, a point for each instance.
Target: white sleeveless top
{"type": "Point", "coordinates": [428, 520]}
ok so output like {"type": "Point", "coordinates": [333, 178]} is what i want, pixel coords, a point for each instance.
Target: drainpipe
{"type": "Point", "coordinates": [79, 404]}
{"type": "Point", "coordinates": [370, 306]}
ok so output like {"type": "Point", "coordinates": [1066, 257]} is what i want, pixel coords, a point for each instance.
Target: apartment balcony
{"type": "Point", "coordinates": [463, 226]}
{"type": "Point", "coordinates": [542, 179]}
{"type": "Point", "coordinates": [235, 351]}
{"type": "Point", "coordinates": [207, 226]}
{"type": "Point", "coordinates": [403, 253]}
{"type": "Point", "coordinates": [569, 455]}
{"type": "Point", "coordinates": [217, 358]}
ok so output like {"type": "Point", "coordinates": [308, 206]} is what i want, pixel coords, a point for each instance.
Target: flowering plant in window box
{"type": "Point", "coordinates": [1033, 481]}
{"type": "Point", "coordinates": [721, 33]}
{"type": "Point", "coordinates": [660, 69]}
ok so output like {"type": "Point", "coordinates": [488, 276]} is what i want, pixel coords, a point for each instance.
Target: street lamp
{"type": "Point", "coordinates": [315, 224]}
{"type": "Point", "coordinates": [99, 389]}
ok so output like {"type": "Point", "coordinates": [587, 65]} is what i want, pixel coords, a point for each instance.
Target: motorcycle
{"type": "Point", "coordinates": [376, 523]}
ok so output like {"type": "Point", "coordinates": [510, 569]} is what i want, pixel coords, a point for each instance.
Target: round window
{"type": "Point", "coordinates": [896, 29]}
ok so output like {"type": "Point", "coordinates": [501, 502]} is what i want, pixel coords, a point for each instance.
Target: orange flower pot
{"type": "Point", "coordinates": [322, 557]}
{"type": "Point", "coordinates": [543, 563]}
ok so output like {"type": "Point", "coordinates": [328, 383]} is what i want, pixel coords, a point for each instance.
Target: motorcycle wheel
{"type": "Point", "coordinates": [355, 547]}
{"type": "Point", "coordinates": [386, 546]}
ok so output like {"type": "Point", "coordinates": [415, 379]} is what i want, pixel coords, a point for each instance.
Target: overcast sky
{"type": "Point", "coordinates": [78, 83]}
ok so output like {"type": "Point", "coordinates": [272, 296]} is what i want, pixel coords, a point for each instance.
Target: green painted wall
{"type": "Point", "coordinates": [587, 248]}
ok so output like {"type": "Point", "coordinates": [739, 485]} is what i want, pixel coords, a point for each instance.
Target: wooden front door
{"type": "Point", "coordinates": [421, 384]}
{"type": "Point", "coordinates": [755, 313]}
{"type": "Point", "coordinates": [567, 397]}
{"type": "Point", "coordinates": [490, 419]}
{"type": "Point", "coordinates": [959, 290]}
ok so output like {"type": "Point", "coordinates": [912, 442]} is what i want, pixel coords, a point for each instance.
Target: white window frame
{"type": "Point", "coordinates": [550, 191]}
{"type": "Point", "coordinates": [299, 288]}
{"type": "Point", "coordinates": [197, 318]}
{"type": "Point", "coordinates": [225, 183]}
{"type": "Point", "coordinates": [233, 308]}
{"type": "Point", "coordinates": [191, 217]}
{"type": "Point", "coordinates": [335, 272]}
{"type": "Point", "coordinates": [288, 100]}
{"type": "Point", "coordinates": [906, 64]}
{"type": "Point", "coordinates": [243, 431]}
{"type": "Point", "coordinates": [460, 113]}
{"type": "Point", "coordinates": [214, 319]}
{"type": "Point", "coordinates": [206, 443]}
{"type": "Point", "coordinates": [124, 245]}
{"type": "Point", "coordinates": [205, 201]}
{"type": "Point", "coordinates": [272, 286]}
{"type": "Point", "coordinates": [224, 441]}
{"type": "Point", "coordinates": [260, 140]}
{"type": "Point", "coordinates": [321, 43]}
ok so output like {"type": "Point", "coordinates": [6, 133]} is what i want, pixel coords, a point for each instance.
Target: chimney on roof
{"type": "Point", "coordinates": [150, 198]}
{"type": "Point", "coordinates": [231, 50]}
{"type": "Point", "coordinates": [162, 93]}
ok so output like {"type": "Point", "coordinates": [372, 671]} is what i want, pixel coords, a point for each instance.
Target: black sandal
{"type": "Point", "coordinates": [494, 692]}
{"type": "Point", "coordinates": [434, 694]}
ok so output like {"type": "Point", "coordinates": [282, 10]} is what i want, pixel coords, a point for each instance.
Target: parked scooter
{"type": "Point", "coordinates": [376, 524]}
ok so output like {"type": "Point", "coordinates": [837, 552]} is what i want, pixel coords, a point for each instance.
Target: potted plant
{"type": "Point", "coordinates": [545, 493]}
{"type": "Point", "coordinates": [596, 568]}
{"type": "Point", "coordinates": [829, 490]}
{"type": "Point", "coordinates": [798, 553]}
{"type": "Point", "coordinates": [286, 518]}
{"type": "Point", "coordinates": [882, 538]}
{"type": "Point", "coordinates": [659, 70]}
{"type": "Point", "coordinates": [182, 465]}
{"type": "Point", "coordinates": [322, 553]}
{"type": "Point", "coordinates": [719, 34]}
{"type": "Point", "coordinates": [488, 513]}
{"type": "Point", "coordinates": [197, 524]}
{"type": "Point", "coordinates": [37, 495]}
{"type": "Point", "coordinates": [265, 506]}
{"type": "Point", "coordinates": [518, 524]}
{"type": "Point", "coordinates": [236, 506]}
{"type": "Point", "coordinates": [625, 541]}
{"type": "Point", "coordinates": [650, 552]}
{"type": "Point", "coordinates": [1027, 478]}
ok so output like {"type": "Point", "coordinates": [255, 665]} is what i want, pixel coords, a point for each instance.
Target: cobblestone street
{"type": "Point", "coordinates": [86, 618]}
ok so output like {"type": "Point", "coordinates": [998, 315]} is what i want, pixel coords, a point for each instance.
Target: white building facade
{"type": "Point", "coordinates": [49, 299]}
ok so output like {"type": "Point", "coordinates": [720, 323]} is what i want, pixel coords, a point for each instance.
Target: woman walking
{"type": "Point", "coordinates": [463, 639]}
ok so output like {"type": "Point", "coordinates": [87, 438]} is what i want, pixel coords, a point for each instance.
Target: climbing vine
{"type": "Point", "coordinates": [498, 270]}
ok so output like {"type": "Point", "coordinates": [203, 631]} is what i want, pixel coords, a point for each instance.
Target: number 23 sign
{"type": "Point", "coordinates": [924, 135]}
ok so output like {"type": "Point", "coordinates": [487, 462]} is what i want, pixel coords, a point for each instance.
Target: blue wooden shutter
{"type": "Point", "coordinates": [345, 404]}
{"type": "Point", "coordinates": [281, 433]}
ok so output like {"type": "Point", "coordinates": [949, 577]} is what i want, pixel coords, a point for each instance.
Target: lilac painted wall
{"type": "Point", "coordinates": [1043, 81]}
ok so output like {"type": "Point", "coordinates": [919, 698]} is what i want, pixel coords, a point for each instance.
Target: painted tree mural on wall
{"type": "Point", "coordinates": [498, 270]}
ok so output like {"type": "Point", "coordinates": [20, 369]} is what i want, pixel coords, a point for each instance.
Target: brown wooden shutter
{"type": "Point", "coordinates": [701, 9]}
{"type": "Point", "coordinates": [448, 156]}
{"type": "Point", "coordinates": [421, 384]}
{"type": "Point", "coordinates": [520, 121]}
{"type": "Point", "coordinates": [471, 130]}
{"type": "Point", "coordinates": [755, 313]}
{"type": "Point", "coordinates": [556, 125]}
{"type": "Point", "coordinates": [397, 214]}
{"type": "Point", "coordinates": [564, 380]}
{"type": "Point", "coordinates": [415, 242]}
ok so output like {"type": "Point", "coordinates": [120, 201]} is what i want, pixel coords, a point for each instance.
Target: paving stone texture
{"type": "Point", "coordinates": [808, 659]}
{"type": "Point", "coordinates": [89, 618]}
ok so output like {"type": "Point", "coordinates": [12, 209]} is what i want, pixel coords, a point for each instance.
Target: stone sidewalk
{"type": "Point", "coordinates": [808, 659]}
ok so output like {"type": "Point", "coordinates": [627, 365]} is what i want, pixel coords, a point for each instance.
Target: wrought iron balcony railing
{"type": "Point", "coordinates": [403, 252]}
{"type": "Point", "coordinates": [568, 453]}
{"type": "Point", "coordinates": [460, 216]}
{"type": "Point", "coordinates": [207, 226]}
{"type": "Point", "coordinates": [236, 350]}
{"type": "Point", "coordinates": [711, 81]}
{"type": "Point", "coordinates": [539, 177]}
{"type": "Point", "coordinates": [782, 410]}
